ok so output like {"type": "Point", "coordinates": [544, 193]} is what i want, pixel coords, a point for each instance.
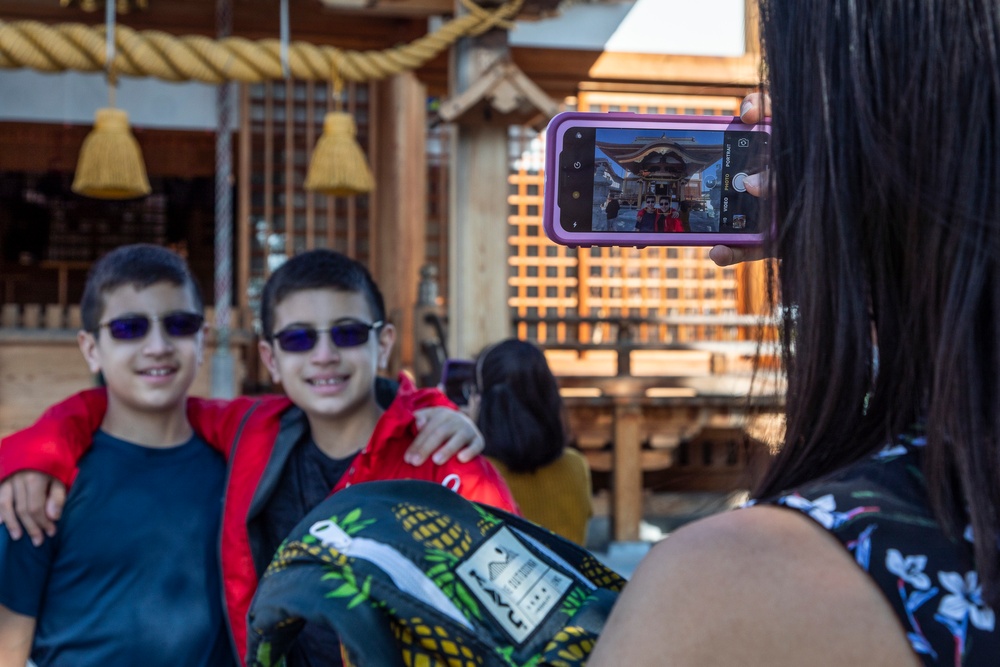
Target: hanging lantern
{"type": "Point", "coordinates": [110, 164]}
{"type": "Point", "coordinates": [338, 166]}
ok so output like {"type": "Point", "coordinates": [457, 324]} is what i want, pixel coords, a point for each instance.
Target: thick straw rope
{"type": "Point", "coordinates": [152, 53]}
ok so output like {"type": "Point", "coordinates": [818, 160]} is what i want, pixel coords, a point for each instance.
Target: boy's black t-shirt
{"type": "Point", "coordinates": [305, 481]}
{"type": "Point", "coordinates": [307, 478]}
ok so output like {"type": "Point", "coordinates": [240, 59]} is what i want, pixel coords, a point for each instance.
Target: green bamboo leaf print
{"type": "Point", "coordinates": [343, 591]}
{"type": "Point", "coordinates": [469, 604]}
{"type": "Point", "coordinates": [264, 654]}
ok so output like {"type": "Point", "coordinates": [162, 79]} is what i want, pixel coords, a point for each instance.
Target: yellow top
{"type": "Point", "coordinates": [556, 496]}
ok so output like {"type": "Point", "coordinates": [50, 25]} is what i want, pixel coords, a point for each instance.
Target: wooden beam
{"type": "Point", "coordinates": [400, 220]}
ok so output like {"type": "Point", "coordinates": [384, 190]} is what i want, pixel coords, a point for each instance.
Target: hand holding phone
{"type": "Point", "coordinates": [647, 180]}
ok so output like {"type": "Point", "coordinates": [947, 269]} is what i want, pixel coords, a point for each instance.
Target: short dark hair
{"type": "Point", "coordinates": [318, 269]}
{"type": "Point", "coordinates": [139, 265]}
{"type": "Point", "coordinates": [520, 409]}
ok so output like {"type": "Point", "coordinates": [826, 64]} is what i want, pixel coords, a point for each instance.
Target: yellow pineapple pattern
{"type": "Point", "coordinates": [432, 529]}
{"type": "Point", "coordinates": [423, 645]}
{"type": "Point", "coordinates": [600, 575]}
{"type": "Point", "coordinates": [569, 648]}
{"type": "Point", "coordinates": [295, 550]}
{"type": "Point", "coordinates": [486, 521]}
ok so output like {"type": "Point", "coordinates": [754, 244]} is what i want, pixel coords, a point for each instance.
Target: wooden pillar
{"type": "Point", "coordinates": [477, 306]}
{"type": "Point", "coordinates": [400, 173]}
{"type": "Point", "coordinates": [477, 227]}
{"type": "Point", "coordinates": [626, 481]}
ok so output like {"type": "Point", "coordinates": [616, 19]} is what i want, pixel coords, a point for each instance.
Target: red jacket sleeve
{"type": "Point", "coordinates": [382, 459]}
{"type": "Point", "coordinates": [63, 434]}
{"type": "Point", "coordinates": [55, 442]}
{"type": "Point", "coordinates": [478, 481]}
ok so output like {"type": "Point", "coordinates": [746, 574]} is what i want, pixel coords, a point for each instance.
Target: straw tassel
{"type": "Point", "coordinates": [110, 164]}
{"type": "Point", "coordinates": [338, 166]}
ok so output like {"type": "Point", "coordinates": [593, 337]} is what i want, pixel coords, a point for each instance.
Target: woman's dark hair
{"type": "Point", "coordinates": [520, 410]}
{"type": "Point", "coordinates": [886, 169]}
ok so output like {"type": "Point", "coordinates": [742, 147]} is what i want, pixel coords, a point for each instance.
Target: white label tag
{"type": "Point", "coordinates": [514, 586]}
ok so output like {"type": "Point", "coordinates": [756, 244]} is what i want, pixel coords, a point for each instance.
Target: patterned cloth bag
{"type": "Point", "coordinates": [411, 574]}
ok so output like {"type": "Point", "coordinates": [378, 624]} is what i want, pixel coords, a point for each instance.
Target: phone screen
{"type": "Point", "coordinates": [617, 179]}
{"type": "Point", "coordinates": [459, 380]}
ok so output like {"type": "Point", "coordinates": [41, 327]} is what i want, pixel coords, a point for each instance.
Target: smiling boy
{"type": "Point", "coordinates": [132, 577]}
{"type": "Point", "coordinates": [324, 339]}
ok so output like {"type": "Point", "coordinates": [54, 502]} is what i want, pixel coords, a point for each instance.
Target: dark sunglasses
{"type": "Point", "coordinates": [177, 325]}
{"type": "Point", "coordinates": [303, 339]}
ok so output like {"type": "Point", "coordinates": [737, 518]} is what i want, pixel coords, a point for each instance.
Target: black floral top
{"type": "Point", "coordinates": [878, 509]}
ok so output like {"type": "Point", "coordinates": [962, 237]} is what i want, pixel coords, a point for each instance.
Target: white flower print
{"type": "Point", "coordinates": [891, 451]}
{"type": "Point", "coordinates": [965, 600]}
{"type": "Point", "coordinates": [908, 568]}
{"type": "Point", "coordinates": [822, 509]}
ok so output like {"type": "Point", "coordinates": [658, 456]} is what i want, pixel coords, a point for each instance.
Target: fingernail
{"type": "Point", "coordinates": [747, 106]}
{"type": "Point", "coordinates": [37, 541]}
{"type": "Point", "coordinates": [753, 182]}
{"type": "Point", "coordinates": [438, 459]}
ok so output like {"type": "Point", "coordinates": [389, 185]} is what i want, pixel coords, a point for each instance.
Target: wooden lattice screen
{"type": "Point", "coordinates": [551, 281]}
{"type": "Point", "coordinates": [281, 123]}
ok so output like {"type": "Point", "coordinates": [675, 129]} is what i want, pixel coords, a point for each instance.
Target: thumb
{"type": "Point", "coordinates": [420, 417]}
{"type": "Point", "coordinates": [56, 500]}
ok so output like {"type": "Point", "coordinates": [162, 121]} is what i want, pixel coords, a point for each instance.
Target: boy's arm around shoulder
{"type": "Point", "coordinates": [55, 442]}
{"type": "Point", "coordinates": [758, 586]}
{"type": "Point", "coordinates": [64, 432]}
{"type": "Point", "coordinates": [218, 421]}
{"type": "Point", "coordinates": [475, 480]}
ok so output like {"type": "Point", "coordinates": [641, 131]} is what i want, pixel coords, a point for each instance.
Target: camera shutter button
{"type": "Point", "coordinates": [738, 183]}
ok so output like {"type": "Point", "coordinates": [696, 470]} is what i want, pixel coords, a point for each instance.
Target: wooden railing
{"type": "Point", "coordinates": [690, 414]}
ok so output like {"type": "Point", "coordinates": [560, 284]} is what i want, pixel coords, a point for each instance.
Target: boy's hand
{"type": "Point", "coordinates": [444, 432]}
{"type": "Point", "coordinates": [33, 500]}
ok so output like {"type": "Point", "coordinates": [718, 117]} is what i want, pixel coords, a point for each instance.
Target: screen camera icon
{"type": "Point", "coordinates": [743, 142]}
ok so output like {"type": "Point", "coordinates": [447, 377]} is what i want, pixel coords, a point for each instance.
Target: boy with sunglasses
{"type": "Point", "coordinates": [325, 337]}
{"type": "Point", "coordinates": [645, 218]}
{"type": "Point", "coordinates": [132, 577]}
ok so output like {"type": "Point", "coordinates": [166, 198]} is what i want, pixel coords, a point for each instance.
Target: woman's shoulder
{"type": "Point", "coordinates": [760, 585]}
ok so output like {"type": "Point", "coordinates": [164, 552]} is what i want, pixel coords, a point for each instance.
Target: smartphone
{"type": "Point", "coordinates": [624, 179]}
{"type": "Point", "coordinates": [459, 380]}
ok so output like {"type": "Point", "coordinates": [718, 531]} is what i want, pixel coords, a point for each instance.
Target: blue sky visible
{"type": "Point", "coordinates": [671, 27]}
{"type": "Point", "coordinates": [627, 136]}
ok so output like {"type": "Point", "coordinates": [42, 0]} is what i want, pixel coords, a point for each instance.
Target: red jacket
{"type": "Point", "coordinates": [248, 431]}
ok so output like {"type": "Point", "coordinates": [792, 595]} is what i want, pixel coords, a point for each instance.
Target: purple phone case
{"type": "Point", "coordinates": [554, 145]}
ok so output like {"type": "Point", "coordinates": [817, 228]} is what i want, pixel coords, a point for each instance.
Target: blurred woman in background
{"type": "Point", "coordinates": [518, 409]}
